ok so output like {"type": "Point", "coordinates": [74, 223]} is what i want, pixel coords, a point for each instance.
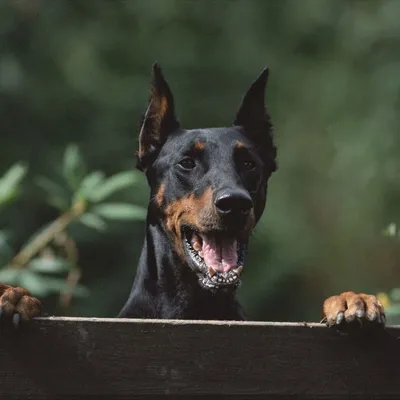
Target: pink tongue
{"type": "Point", "coordinates": [220, 256]}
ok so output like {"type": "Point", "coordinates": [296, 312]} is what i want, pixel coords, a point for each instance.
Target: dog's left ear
{"type": "Point", "coordinates": [253, 117]}
{"type": "Point", "coordinates": [158, 122]}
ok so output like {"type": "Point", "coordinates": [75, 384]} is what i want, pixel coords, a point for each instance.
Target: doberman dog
{"type": "Point", "coordinates": [208, 190]}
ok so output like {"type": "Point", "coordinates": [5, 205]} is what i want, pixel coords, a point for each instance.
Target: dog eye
{"type": "Point", "coordinates": [249, 165]}
{"type": "Point", "coordinates": [187, 163]}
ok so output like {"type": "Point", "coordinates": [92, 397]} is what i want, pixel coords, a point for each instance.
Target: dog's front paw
{"type": "Point", "coordinates": [16, 304]}
{"type": "Point", "coordinates": [353, 310]}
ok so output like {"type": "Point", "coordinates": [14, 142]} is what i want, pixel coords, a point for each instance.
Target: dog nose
{"type": "Point", "coordinates": [234, 202]}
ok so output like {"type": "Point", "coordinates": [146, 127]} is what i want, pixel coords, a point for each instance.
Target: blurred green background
{"type": "Point", "coordinates": [74, 80]}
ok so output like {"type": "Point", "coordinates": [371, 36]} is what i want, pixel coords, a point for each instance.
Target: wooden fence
{"type": "Point", "coordinates": [114, 358]}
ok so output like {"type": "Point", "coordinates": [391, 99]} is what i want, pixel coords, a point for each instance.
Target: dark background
{"type": "Point", "coordinates": [78, 72]}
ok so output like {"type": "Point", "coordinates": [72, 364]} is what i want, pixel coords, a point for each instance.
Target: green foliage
{"type": "Point", "coordinates": [80, 195]}
{"type": "Point", "coordinates": [93, 221]}
{"type": "Point", "coordinates": [106, 188]}
{"type": "Point", "coordinates": [391, 299]}
{"type": "Point", "coordinates": [38, 284]}
{"type": "Point", "coordinates": [117, 211]}
{"type": "Point", "coordinates": [9, 183]}
{"type": "Point", "coordinates": [49, 265]}
{"type": "Point", "coordinates": [73, 167]}
{"type": "Point", "coordinates": [392, 231]}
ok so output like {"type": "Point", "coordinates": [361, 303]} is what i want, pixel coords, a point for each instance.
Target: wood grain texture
{"type": "Point", "coordinates": [54, 357]}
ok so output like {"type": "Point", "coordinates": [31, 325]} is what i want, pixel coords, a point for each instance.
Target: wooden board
{"type": "Point", "coordinates": [54, 357]}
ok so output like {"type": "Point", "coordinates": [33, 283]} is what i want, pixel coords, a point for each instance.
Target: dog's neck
{"type": "Point", "coordinates": [165, 287]}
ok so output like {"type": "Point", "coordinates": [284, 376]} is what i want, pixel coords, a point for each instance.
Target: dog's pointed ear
{"type": "Point", "coordinates": [158, 122]}
{"type": "Point", "coordinates": [253, 117]}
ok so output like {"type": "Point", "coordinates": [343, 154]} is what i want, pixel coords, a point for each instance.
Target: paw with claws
{"type": "Point", "coordinates": [351, 310]}
{"type": "Point", "coordinates": [17, 305]}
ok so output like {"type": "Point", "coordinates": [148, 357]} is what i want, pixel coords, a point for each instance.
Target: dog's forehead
{"type": "Point", "coordinates": [212, 137]}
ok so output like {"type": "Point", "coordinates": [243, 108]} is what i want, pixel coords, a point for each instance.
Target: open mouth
{"type": "Point", "coordinates": [218, 259]}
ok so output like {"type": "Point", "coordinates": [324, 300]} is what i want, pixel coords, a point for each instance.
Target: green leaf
{"type": "Point", "coordinates": [393, 310]}
{"type": "Point", "coordinates": [6, 252]}
{"type": "Point", "coordinates": [57, 203]}
{"type": "Point", "coordinates": [72, 159]}
{"type": "Point", "coordinates": [58, 196]}
{"type": "Point", "coordinates": [10, 276]}
{"type": "Point", "coordinates": [93, 221]}
{"type": "Point", "coordinates": [51, 187]}
{"type": "Point", "coordinates": [55, 284]}
{"type": "Point", "coordinates": [39, 285]}
{"type": "Point", "coordinates": [73, 166]}
{"type": "Point", "coordinates": [114, 183]}
{"type": "Point", "coordinates": [395, 294]}
{"type": "Point", "coordinates": [120, 211]}
{"type": "Point", "coordinates": [89, 183]}
{"type": "Point", "coordinates": [49, 265]}
{"type": "Point", "coordinates": [390, 230]}
{"type": "Point", "coordinates": [10, 181]}
{"type": "Point", "coordinates": [33, 282]}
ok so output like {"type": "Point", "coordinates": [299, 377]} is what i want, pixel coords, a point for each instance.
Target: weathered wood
{"type": "Point", "coordinates": [53, 357]}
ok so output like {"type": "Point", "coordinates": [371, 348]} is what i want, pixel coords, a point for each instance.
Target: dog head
{"type": "Point", "coordinates": [208, 186]}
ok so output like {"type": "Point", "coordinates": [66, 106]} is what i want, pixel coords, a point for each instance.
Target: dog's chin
{"type": "Point", "coordinates": [215, 275]}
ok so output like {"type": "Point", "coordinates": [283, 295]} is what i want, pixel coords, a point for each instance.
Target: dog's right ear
{"type": "Point", "coordinates": [158, 122]}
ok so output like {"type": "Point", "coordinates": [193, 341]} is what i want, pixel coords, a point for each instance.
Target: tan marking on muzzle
{"type": "Point", "coordinates": [190, 210]}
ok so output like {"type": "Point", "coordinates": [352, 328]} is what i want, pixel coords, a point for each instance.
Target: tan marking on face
{"type": "Point", "coordinates": [199, 146]}
{"type": "Point", "coordinates": [239, 144]}
{"type": "Point", "coordinates": [190, 210]}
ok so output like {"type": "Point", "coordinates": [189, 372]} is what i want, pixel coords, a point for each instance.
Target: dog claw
{"type": "Point", "coordinates": [360, 313]}
{"type": "Point", "coordinates": [211, 271]}
{"type": "Point", "coordinates": [15, 319]}
{"type": "Point", "coordinates": [339, 318]}
{"type": "Point", "coordinates": [238, 270]}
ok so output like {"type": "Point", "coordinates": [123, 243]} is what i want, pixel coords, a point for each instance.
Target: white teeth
{"type": "Point", "coordinates": [197, 246]}
{"type": "Point", "coordinates": [238, 270]}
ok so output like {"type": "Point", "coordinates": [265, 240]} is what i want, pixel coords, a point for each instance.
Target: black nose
{"type": "Point", "coordinates": [234, 202]}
